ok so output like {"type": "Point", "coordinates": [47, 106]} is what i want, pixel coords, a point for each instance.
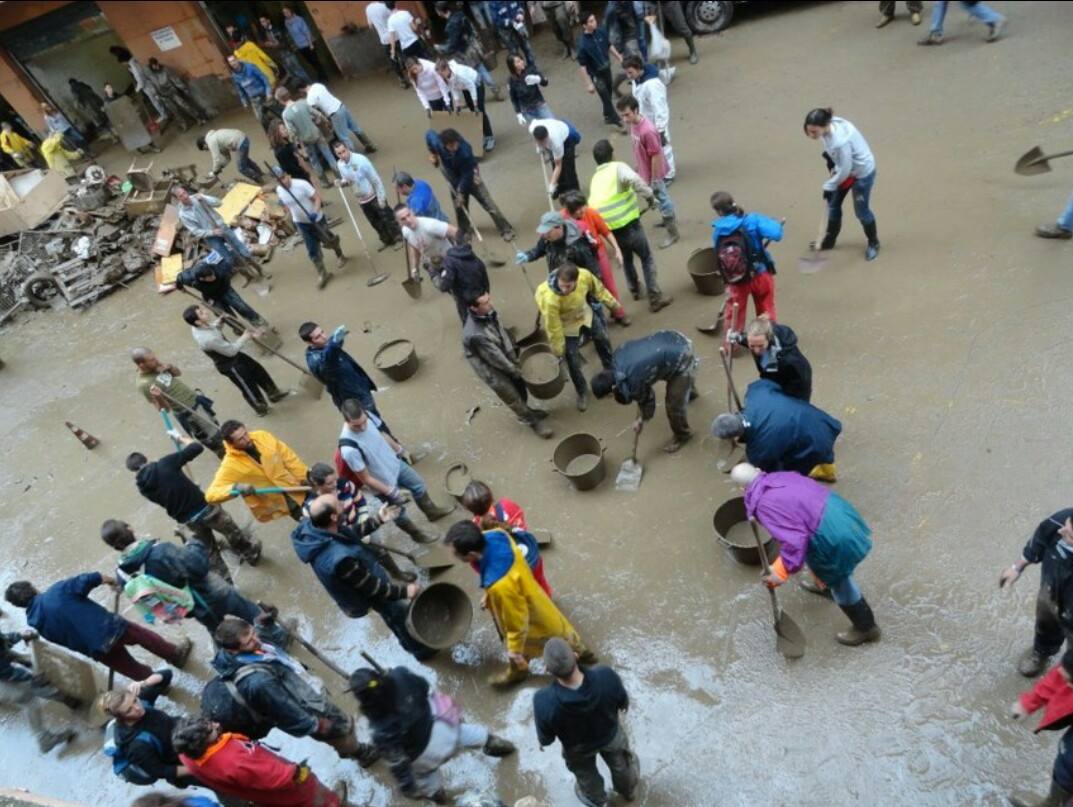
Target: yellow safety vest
{"type": "Point", "coordinates": [618, 207]}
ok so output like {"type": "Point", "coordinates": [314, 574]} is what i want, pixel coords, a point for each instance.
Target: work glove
{"type": "Point", "coordinates": [521, 119]}
{"type": "Point", "coordinates": [828, 196]}
{"type": "Point", "coordinates": [551, 188]}
{"type": "Point", "coordinates": [340, 332]}
{"type": "Point", "coordinates": [394, 497]}
{"type": "Point", "coordinates": [520, 258]}
{"type": "Point", "coordinates": [532, 80]}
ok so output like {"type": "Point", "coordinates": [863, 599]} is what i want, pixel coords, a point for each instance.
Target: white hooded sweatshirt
{"type": "Point", "coordinates": [849, 151]}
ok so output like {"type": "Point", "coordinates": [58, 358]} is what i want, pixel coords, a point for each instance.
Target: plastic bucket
{"type": "Point", "coordinates": [536, 362]}
{"type": "Point", "coordinates": [440, 616]}
{"type": "Point", "coordinates": [733, 531]}
{"type": "Point", "coordinates": [580, 458]}
{"type": "Point", "coordinates": [702, 268]}
{"type": "Point", "coordinates": [396, 359]}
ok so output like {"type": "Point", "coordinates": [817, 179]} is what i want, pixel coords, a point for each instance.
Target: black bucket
{"type": "Point", "coordinates": [580, 445]}
{"type": "Point", "coordinates": [702, 268]}
{"type": "Point", "coordinates": [440, 616]}
{"type": "Point", "coordinates": [733, 531]}
{"type": "Point", "coordinates": [398, 367]}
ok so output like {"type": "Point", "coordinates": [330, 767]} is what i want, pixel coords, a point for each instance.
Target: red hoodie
{"type": "Point", "coordinates": [1054, 692]}
{"type": "Point", "coordinates": [237, 766]}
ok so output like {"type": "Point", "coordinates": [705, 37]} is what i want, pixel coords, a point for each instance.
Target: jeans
{"type": "Point", "coordinates": [232, 303]}
{"type": "Point", "coordinates": [292, 65]}
{"type": "Point", "coordinates": [316, 233]}
{"type": "Point", "coordinates": [320, 156]}
{"type": "Point", "coordinates": [886, 7]}
{"type": "Point", "coordinates": [343, 123]}
{"type": "Point", "coordinates": [622, 762]}
{"type": "Point", "coordinates": [394, 616]}
{"type": "Point", "coordinates": [247, 167]}
{"type": "Point", "coordinates": [598, 333]}
{"type": "Point", "coordinates": [479, 105]}
{"type": "Point", "coordinates": [862, 192]}
{"type": "Point", "coordinates": [200, 423]}
{"type": "Point", "coordinates": [666, 206]}
{"type": "Point", "coordinates": [845, 591]}
{"type": "Point", "coordinates": [601, 80]}
{"type": "Point", "coordinates": [632, 241]}
{"type": "Point", "coordinates": [539, 112]}
{"type": "Point", "coordinates": [228, 246]}
{"type": "Point", "coordinates": [411, 480]}
{"type": "Point", "coordinates": [487, 79]}
{"type": "Point", "coordinates": [1065, 221]}
{"type": "Point", "coordinates": [980, 11]}
{"type": "Point", "coordinates": [75, 138]}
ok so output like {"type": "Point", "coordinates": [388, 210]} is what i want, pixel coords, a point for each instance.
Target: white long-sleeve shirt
{"type": "Point", "coordinates": [361, 174]}
{"type": "Point", "coordinates": [211, 338]}
{"type": "Point", "coordinates": [430, 85]}
{"type": "Point", "coordinates": [849, 151]}
{"type": "Point", "coordinates": [463, 79]}
{"type": "Point", "coordinates": [651, 96]}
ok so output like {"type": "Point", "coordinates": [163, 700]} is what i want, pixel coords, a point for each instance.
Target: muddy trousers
{"type": "Point", "coordinates": [180, 104]}
{"type": "Point", "coordinates": [623, 763]}
{"type": "Point", "coordinates": [886, 7]}
{"type": "Point", "coordinates": [513, 394]}
{"type": "Point", "coordinates": [215, 519]}
{"type": "Point", "coordinates": [598, 334]}
{"type": "Point", "coordinates": [382, 220]}
{"type": "Point", "coordinates": [632, 241]}
{"type": "Point", "coordinates": [27, 696]}
{"type": "Point", "coordinates": [316, 233]}
{"type": "Point", "coordinates": [118, 658]}
{"type": "Point", "coordinates": [484, 199]}
{"type": "Point", "coordinates": [1049, 633]}
{"type": "Point", "coordinates": [678, 393]}
{"type": "Point", "coordinates": [394, 616]}
{"type": "Point", "coordinates": [252, 380]}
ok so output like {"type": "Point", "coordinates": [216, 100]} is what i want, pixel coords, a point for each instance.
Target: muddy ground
{"type": "Point", "coordinates": [944, 360]}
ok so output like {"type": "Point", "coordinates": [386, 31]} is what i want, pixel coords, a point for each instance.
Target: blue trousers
{"type": "Point", "coordinates": [862, 194]}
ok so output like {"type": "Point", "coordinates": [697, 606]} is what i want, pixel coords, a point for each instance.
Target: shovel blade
{"type": "Point", "coordinates": [413, 287]}
{"type": "Point", "coordinates": [629, 475]}
{"type": "Point", "coordinates": [311, 386]}
{"type": "Point", "coordinates": [812, 262]}
{"type": "Point", "coordinates": [789, 638]}
{"type": "Point", "coordinates": [435, 557]}
{"type": "Point", "coordinates": [377, 279]}
{"type": "Point", "coordinates": [1032, 162]}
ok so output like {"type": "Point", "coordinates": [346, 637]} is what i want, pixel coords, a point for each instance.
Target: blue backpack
{"type": "Point", "coordinates": [121, 764]}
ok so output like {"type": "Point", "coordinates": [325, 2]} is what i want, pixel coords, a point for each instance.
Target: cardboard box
{"type": "Point", "coordinates": [28, 197]}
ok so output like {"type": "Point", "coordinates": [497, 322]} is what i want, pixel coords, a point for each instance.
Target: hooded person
{"type": "Point", "coordinates": [1054, 695]}
{"type": "Point", "coordinates": [774, 350]}
{"type": "Point", "coordinates": [524, 615]}
{"type": "Point", "coordinates": [353, 575]}
{"type": "Point", "coordinates": [462, 275]}
{"type": "Point", "coordinates": [812, 524]}
{"type": "Point", "coordinates": [782, 433]}
{"type": "Point", "coordinates": [416, 730]}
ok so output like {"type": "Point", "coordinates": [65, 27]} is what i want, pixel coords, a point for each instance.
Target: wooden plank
{"type": "Point", "coordinates": [257, 210]}
{"type": "Point", "coordinates": [165, 233]}
{"type": "Point", "coordinates": [170, 267]}
{"type": "Point", "coordinates": [237, 200]}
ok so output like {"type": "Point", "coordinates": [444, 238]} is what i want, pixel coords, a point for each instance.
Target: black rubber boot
{"type": "Point", "coordinates": [831, 236]}
{"type": "Point", "coordinates": [415, 532]}
{"type": "Point", "coordinates": [872, 250]}
{"type": "Point", "coordinates": [1032, 662]}
{"type": "Point", "coordinates": [864, 627]}
{"type": "Point", "coordinates": [367, 143]}
{"type": "Point", "coordinates": [387, 560]}
{"type": "Point", "coordinates": [432, 511]}
{"type": "Point", "coordinates": [1057, 797]}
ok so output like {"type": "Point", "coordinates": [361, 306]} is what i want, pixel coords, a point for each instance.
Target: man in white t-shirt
{"type": "Point", "coordinates": [304, 204]}
{"type": "Point", "coordinates": [343, 123]}
{"type": "Point", "coordinates": [375, 458]}
{"type": "Point", "coordinates": [426, 239]}
{"type": "Point", "coordinates": [357, 172]}
{"type": "Point", "coordinates": [402, 34]}
{"type": "Point", "coordinates": [377, 15]}
{"type": "Point", "coordinates": [556, 141]}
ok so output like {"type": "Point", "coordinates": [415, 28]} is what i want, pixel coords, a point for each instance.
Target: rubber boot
{"type": "Point", "coordinates": [367, 143]}
{"type": "Point", "coordinates": [831, 236]}
{"type": "Point", "coordinates": [872, 250]}
{"type": "Point", "coordinates": [1057, 797]}
{"type": "Point", "coordinates": [671, 223]}
{"type": "Point", "coordinates": [323, 275]}
{"type": "Point", "coordinates": [511, 675]}
{"type": "Point", "coordinates": [864, 627]}
{"type": "Point", "coordinates": [415, 532]}
{"type": "Point", "coordinates": [657, 302]}
{"type": "Point", "coordinates": [498, 747]}
{"type": "Point", "coordinates": [432, 511]}
{"type": "Point", "coordinates": [387, 560]}
{"type": "Point", "coordinates": [541, 428]}
{"type": "Point", "coordinates": [1032, 663]}
{"type": "Point", "coordinates": [183, 647]}
{"type": "Point", "coordinates": [50, 739]}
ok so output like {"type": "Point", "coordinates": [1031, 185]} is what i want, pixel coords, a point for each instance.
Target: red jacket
{"type": "Point", "coordinates": [1054, 692]}
{"type": "Point", "coordinates": [237, 766]}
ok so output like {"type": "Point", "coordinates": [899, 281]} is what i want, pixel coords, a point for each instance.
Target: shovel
{"type": "Point", "coordinates": [298, 489]}
{"type": "Point", "coordinates": [1034, 161]}
{"type": "Point", "coordinates": [323, 659]}
{"type": "Point", "coordinates": [631, 471]}
{"type": "Point", "coordinates": [733, 402]}
{"type": "Point", "coordinates": [814, 260]}
{"type": "Point", "coordinates": [270, 341]}
{"type": "Point", "coordinates": [378, 277]}
{"type": "Point", "coordinates": [432, 558]}
{"type": "Point", "coordinates": [487, 254]}
{"type": "Point", "coordinates": [789, 638]}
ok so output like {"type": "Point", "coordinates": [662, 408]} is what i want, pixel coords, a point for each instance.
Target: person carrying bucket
{"type": "Point", "coordinates": [524, 615]}
{"type": "Point", "coordinates": [813, 525]}
{"type": "Point", "coordinates": [782, 433]}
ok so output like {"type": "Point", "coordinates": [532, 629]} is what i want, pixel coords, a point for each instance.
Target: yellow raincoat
{"type": "Point", "coordinates": [17, 147]}
{"type": "Point", "coordinates": [566, 314]}
{"type": "Point", "coordinates": [526, 617]}
{"type": "Point", "coordinates": [56, 156]}
{"type": "Point", "coordinates": [249, 52]}
{"type": "Point", "coordinates": [280, 467]}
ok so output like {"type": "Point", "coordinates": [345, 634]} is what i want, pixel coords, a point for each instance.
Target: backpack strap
{"type": "Point", "coordinates": [346, 442]}
{"type": "Point", "coordinates": [232, 688]}
{"type": "Point", "coordinates": [501, 514]}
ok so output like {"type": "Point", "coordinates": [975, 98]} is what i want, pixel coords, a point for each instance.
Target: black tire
{"type": "Point", "coordinates": [709, 16]}
{"type": "Point", "coordinates": [40, 289]}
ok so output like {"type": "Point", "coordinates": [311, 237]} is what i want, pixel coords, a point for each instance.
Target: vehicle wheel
{"type": "Point", "coordinates": [709, 16]}
{"type": "Point", "coordinates": [40, 289]}
{"type": "Point", "coordinates": [621, 83]}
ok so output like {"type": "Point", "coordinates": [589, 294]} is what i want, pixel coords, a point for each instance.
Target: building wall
{"type": "Point", "coordinates": [357, 52]}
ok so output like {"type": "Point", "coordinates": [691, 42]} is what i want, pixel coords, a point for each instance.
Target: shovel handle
{"type": "Point", "coordinates": [636, 440]}
{"type": "Point", "coordinates": [297, 489]}
{"type": "Point", "coordinates": [775, 609]}
{"type": "Point", "coordinates": [723, 353]}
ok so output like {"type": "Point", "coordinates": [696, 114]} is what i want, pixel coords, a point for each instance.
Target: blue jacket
{"type": "Point", "coordinates": [758, 227]}
{"type": "Point", "coordinates": [337, 561]}
{"type": "Point", "coordinates": [785, 433]}
{"type": "Point", "coordinates": [298, 29]}
{"type": "Point", "coordinates": [504, 12]}
{"type": "Point", "coordinates": [422, 200]}
{"type": "Point", "coordinates": [338, 371]}
{"type": "Point", "coordinates": [65, 615]}
{"type": "Point", "coordinates": [640, 363]}
{"type": "Point", "coordinates": [460, 165]}
{"type": "Point", "coordinates": [250, 83]}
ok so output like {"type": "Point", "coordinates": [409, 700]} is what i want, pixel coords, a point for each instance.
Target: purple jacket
{"type": "Point", "coordinates": [790, 507]}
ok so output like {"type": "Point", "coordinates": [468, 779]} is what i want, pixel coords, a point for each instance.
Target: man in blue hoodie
{"type": "Point", "coordinates": [351, 574]}
{"type": "Point", "coordinates": [419, 196]}
{"type": "Point", "coordinates": [253, 87]}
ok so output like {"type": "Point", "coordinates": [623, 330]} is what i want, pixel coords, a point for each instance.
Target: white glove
{"type": "Point", "coordinates": [521, 119]}
{"type": "Point", "coordinates": [551, 188]}
{"type": "Point", "coordinates": [519, 25]}
{"type": "Point", "coordinates": [532, 80]}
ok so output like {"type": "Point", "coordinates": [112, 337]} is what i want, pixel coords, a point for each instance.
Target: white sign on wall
{"type": "Point", "coordinates": [166, 38]}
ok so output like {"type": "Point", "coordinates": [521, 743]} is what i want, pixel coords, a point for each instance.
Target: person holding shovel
{"type": "Point", "coordinates": [492, 354]}
{"type": "Point", "coordinates": [524, 615]}
{"type": "Point", "coordinates": [557, 142]}
{"type": "Point", "coordinates": [773, 347]}
{"type": "Point", "coordinates": [256, 465]}
{"type": "Point", "coordinates": [241, 369]}
{"type": "Point", "coordinates": [812, 524]}
{"type": "Point", "coordinates": [159, 382]}
{"type": "Point", "coordinates": [592, 224]}
{"type": "Point", "coordinates": [198, 214]}
{"type": "Point", "coordinates": [352, 574]}
{"type": "Point", "coordinates": [416, 730]}
{"type": "Point", "coordinates": [213, 279]}
{"type": "Point", "coordinates": [562, 241]}
{"type": "Point", "coordinates": [280, 690]}
{"type": "Point", "coordinates": [459, 166]}
{"type": "Point", "coordinates": [638, 364]}
{"type": "Point", "coordinates": [25, 689]}
{"type": "Point", "coordinates": [425, 238]}
{"type": "Point", "coordinates": [782, 433]}
{"type": "Point", "coordinates": [571, 303]}
{"type": "Point", "coordinates": [1051, 546]}
{"type": "Point", "coordinates": [357, 172]}
{"type": "Point", "coordinates": [304, 204]}
{"type": "Point", "coordinates": [164, 483]}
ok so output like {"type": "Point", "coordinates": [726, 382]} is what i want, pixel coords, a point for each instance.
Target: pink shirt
{"type": "Point", "coordinates": [646, 145]}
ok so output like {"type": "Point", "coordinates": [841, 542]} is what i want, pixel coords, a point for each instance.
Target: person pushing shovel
{"type": "Point", "coordinates": [638, 364]}
{"type": "Point", "coordinates": [813, 525]}
{"type": "Point", "coordinates": [304, 204]}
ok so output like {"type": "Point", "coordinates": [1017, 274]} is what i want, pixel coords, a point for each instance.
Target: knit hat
{"type": "Point", "coordinates": [727, 425]}
{"type": "Point", "coordinates": [559, 657]}
{"type": "Point", "coordinates": [549, 221]}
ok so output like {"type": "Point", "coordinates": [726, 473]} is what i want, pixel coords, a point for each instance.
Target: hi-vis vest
{"type": "Point", "coordinates": [617, 207]}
